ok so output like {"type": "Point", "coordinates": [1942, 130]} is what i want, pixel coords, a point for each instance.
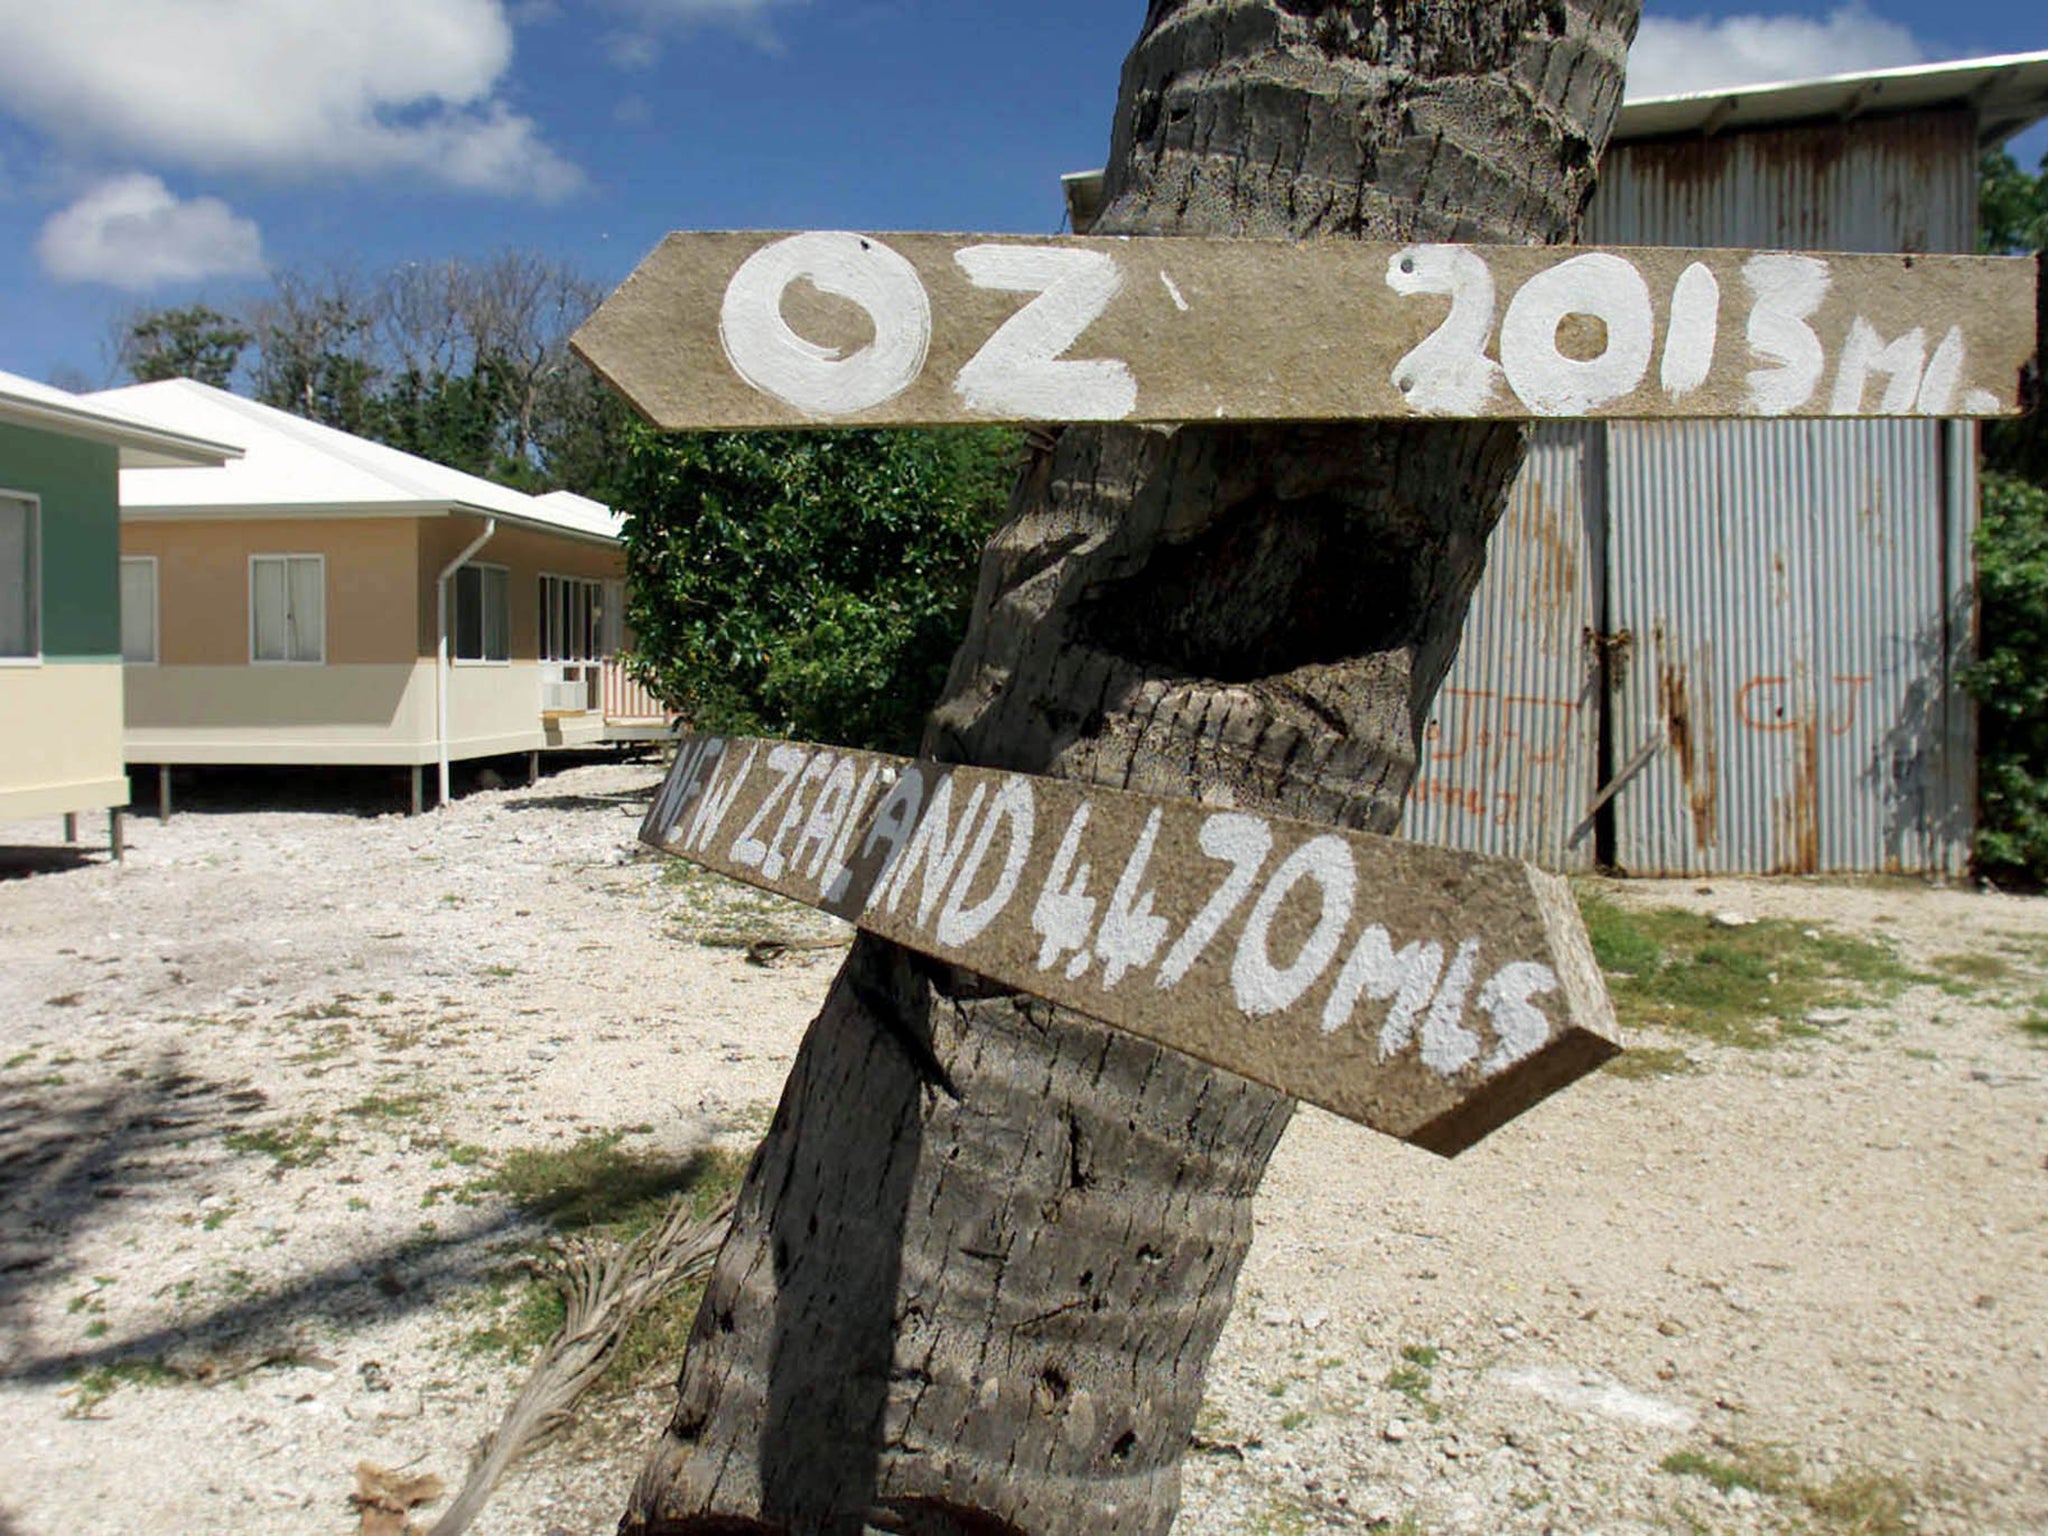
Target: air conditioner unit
{"type": "Point", "coordinates": [564, 697]}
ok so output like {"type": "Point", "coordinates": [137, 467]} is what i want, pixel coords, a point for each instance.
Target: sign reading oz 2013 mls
{"type": "Point", "coordinates": [1430, 994]}
{"type": "Point", "coordinates": [760, 330]}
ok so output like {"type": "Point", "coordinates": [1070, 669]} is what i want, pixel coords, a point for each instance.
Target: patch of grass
{"type": "Point", "coordinates": [1749, 987]}
{"type": "Point", "coordinates": [1641, 1061]}
{"type": "Point", "coordinates": [525, 1315]}
{"type": "Point", "coordinates": [340, 1006]}
{"type": "Point", "coordinates": [1862, 1503]}
{"type": "Point", "coordinates": [1740, 1468]}
{"type": "Point", "coordinates": [64, 1000]}
{"type": "Point", "coordinates": [392, 1106]}
{"type": "Point", "coordinates": [20, 1058]}
{"type": "Point", "coordinates": [289, 1144]}
{"type": "Point", "coordinates": [95, 1385]}
{"type": "Point", "coordinates": [1294, 1418]}
{"type": "Point", "coordinates": [1412, 1378]}
{"type": "Point", "coordinates": [1974, 967]}
{"type": "Point", "coordinates": [595, 1185]}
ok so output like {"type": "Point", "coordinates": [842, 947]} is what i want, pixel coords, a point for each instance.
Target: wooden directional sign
{"type": "Point", "coordinates": [1431, 994]}
{"type": "Point", "coordinates": [765, 330]}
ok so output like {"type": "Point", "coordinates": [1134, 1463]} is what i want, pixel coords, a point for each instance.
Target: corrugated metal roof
{"type": "Point", "coordinates": [296, 467]}
{"type": "Point", "coordinates": [26, 403]}
{"type": "Point", "coordinates": [2008, 93]}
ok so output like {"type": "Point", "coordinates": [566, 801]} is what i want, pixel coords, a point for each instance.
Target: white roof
{"type": "Point", "coordinates": [2009, 94]}
{"type": "Point", "coordinates": [24, 402]}
{"type": "Point", "coordinates": [295, 467]}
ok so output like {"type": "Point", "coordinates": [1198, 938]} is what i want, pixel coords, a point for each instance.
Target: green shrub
{"type": "Point", "coordinates": [811, 584]}
{"type": "Point", "coordinates": [2010, 681]}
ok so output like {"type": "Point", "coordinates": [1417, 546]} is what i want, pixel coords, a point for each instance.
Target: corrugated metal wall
{"type": "Point", "coordinates": [1510, 756]}
{"type": "Point", "coordinates": [1790, 600]}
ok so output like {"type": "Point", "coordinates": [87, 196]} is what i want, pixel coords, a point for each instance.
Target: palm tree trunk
{"type": "Point", "coordinates": [979, 1265]}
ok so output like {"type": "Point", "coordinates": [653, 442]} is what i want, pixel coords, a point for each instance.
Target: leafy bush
{"type": "Point", "coordinates": [2010, 681]}
{"type": "Point", "coordinates": [812, 584]}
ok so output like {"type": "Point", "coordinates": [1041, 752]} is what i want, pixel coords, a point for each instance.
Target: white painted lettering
{"type": "Point", "coordinates": [819, 766]}
{"type": "Point", "coordinates": [834, 885]}
{"type": "Point", "coordinates": [718, 797]}
{"type": "Point", "coordinates": [787, 759]}
{"type": "Point", "coordinates": [1944, 376]}
{"type": "Point", "coordinates": [1375, 970]}
{"type": "Point", "coordinates": [1864, 353]}
{"type": "Point", "coordinates": [1130, 934]}
{"type": "Point", "coordinates": [1695, 326]}
{"type": "Point", "coordinates": [1261, 987]}
{"type": "Point", "coordinates": [1597, 284]}
{"type": "Point", "coordinates": [1784, 292]}
{"type": "Point", "coordinates": [1446, 1044]}
{"type": "Point", "coordinates": [1064, 911]}
{"type": "Point", "coordinates": [892, 825]}
{"type": "Point", "coordinates": [1015, 808]}
{"type": "Point", "coordinates": [816, 380]}
{"type": "Point", "coordinates": [1019, 371]}
{"type": "Point", "coordinates": [1448, 373]}
{"type": "Point", "coordinates": [1243, 842]}
{"type": "Point", "coordinates": [828, 813]}
{"type": "Point", "coordinates": [1518, 1024]}
{"type": "Point", "coordinates": [936, 847]}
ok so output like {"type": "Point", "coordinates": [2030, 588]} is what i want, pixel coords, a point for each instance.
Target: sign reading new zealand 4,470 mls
{"type": "Point", "coordinates": [1428, 993]}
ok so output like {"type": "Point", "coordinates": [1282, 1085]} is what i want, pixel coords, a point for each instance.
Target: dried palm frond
{"type": "Point", "coordinates": [605, 1286]}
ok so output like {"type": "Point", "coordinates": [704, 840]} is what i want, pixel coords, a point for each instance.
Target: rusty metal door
{"type": "Point", "coordinates": [1509, 756]}
{"type": "Point", "coordinates": [1785, 585]}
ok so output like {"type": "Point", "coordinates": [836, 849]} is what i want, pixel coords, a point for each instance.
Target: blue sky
{"type": "Point", "coordinates": [158, 152]}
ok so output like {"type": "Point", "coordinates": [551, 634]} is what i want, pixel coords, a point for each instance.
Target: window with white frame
{"type": "Point", "coordinates": [288, 608]}
{"type": "Point", "coordinates": [20, 621]}
{"type": "Point", "coordinates": [138, 609]}
{"type": "Point", "coordinates": [575, 622]}
{"type": "Point", "coordinates": [483, 613]}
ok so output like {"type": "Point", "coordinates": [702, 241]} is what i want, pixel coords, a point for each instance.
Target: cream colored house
{"type": "Point", "coordinates": [60, 615]}
{"type": "Point", "coordinates": [329, 600]}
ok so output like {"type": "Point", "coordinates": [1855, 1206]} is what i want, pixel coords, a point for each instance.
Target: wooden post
{"type": "Point", "coordinates": [163, 792]}
{"type": "Point", "coordinates": [532, 768]}
{"type": "Point", "coordinates": [115, 840]}
{"type": "Point", "coordinates": [418, 791]}
{"type": "Point", "coordinates": [71, 826]}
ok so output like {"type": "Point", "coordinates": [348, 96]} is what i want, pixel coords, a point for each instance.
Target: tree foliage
{"type": "Point", "coordinates": [462, 362]}
{"type": "Point", "coordinates": [2010, 677]}
{"type": "Point", "coordinates": [190, 343]}
{"type": "Point", "coordinates": [811, 584]}
{"type": "Point", "coordinates": [2010, 681]}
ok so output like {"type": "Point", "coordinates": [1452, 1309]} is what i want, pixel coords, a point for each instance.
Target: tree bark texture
{"type": "Point", "coordinates": [981, 1260]}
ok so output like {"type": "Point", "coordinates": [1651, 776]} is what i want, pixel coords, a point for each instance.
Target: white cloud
{"type": "Point", "coordinates": [290, 89]}
{"type": "Point", "coordinates": [1672, 58]}
{"type": "Point", "coordinates": [640, 46]}
{"type": "Point", "coordinates": [132, 233]}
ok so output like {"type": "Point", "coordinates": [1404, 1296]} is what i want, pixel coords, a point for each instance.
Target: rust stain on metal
{"type": "Point", "coordinates": [1799, 806]}
{"type": "Point", "coordinates": [1689, 725]}
{"type": "Point", "coordinates": [1553, 584]}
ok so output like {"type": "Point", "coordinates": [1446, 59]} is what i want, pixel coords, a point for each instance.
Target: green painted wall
{"type": "Point", "coordinates": [80, 533]}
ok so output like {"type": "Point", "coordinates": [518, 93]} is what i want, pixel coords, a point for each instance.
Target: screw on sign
{"type": "Point", "coordinates": [988, 1243]}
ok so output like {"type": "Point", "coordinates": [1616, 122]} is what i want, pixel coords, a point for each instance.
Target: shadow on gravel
{"type": "Point", "coordinates": [70, 1155]}
{"type": "Point", "coordinates": [596, 1188]}
{"type": "Point", "coordinates": [18, 863]}
{"type": "Point", "coordinates": [635, 799]}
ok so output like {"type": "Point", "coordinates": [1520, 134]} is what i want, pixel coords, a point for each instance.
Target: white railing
{"type": "Point", "coordinates": [626, 699]}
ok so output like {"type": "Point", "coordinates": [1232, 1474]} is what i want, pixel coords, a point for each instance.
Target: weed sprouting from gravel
{"type": "Point", "coordinates": [1749, 986]}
